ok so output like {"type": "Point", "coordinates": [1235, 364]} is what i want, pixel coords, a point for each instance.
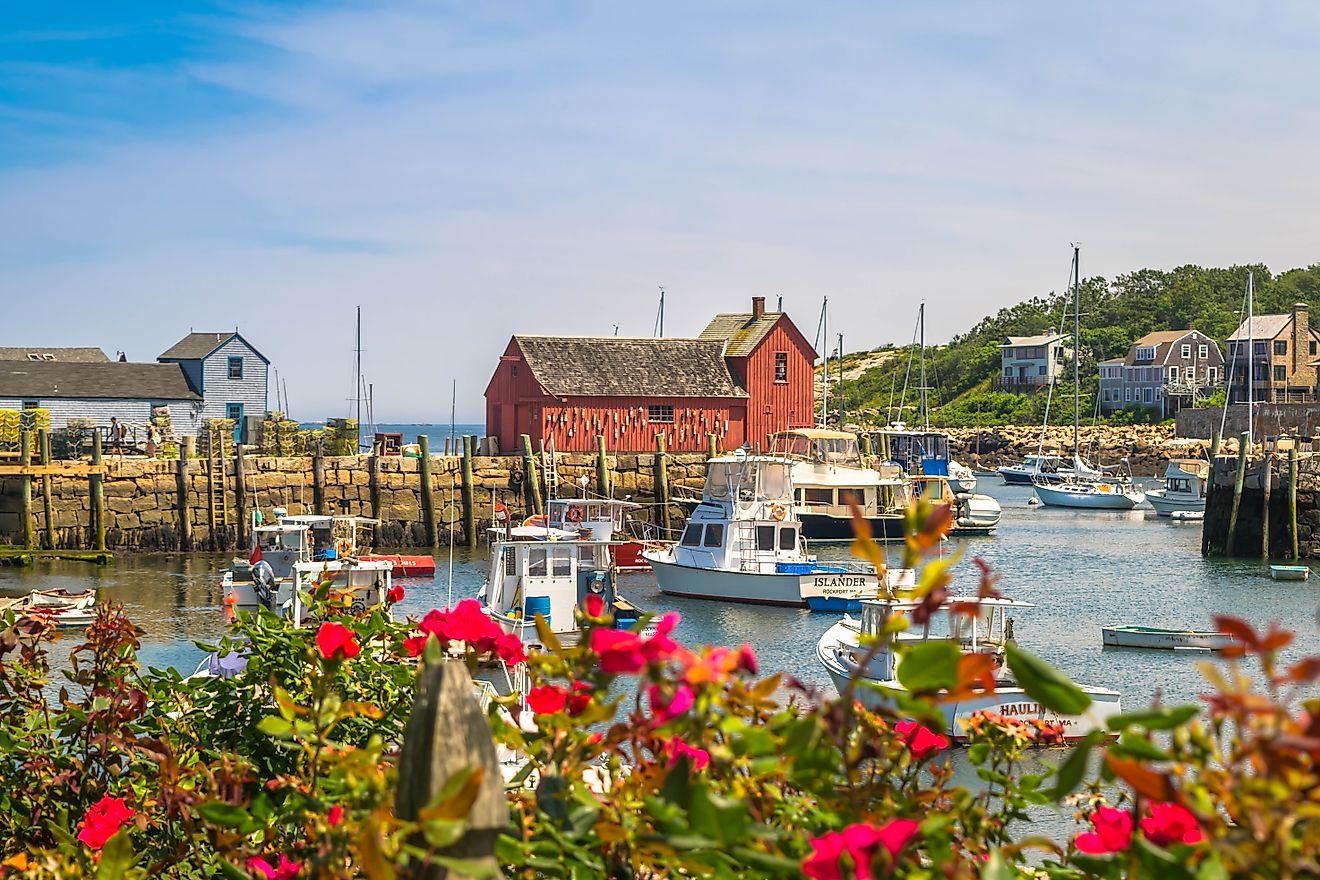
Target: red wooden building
{"type": "Point", "coordinates": [746, 377]}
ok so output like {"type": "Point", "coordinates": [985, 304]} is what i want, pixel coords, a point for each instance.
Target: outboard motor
{"type": "Point", "coordinates": [263, 581]}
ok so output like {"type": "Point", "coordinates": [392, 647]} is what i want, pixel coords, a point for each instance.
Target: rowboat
{"type": "Point", "coordinates": [1165, 639]}
{"type": "Point", "coordinates": [1290, 572]}
{"type": "Point", "coordinates": [1184, 515]}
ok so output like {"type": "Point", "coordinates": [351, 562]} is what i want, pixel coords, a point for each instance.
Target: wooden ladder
{"type": "Point", "coordinates": [218, 497]}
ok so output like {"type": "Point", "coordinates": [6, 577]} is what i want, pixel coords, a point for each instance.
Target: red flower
{"type": "Point", "coordinates": [395, 594]}
{"type": "Point", "coordinates": [920, 740]}
{"type": "Point", "coordinates": [676, 749]}
{"type": "Point", "coordinates": [510, 649]}
{"type": "Point", "coordinates": [747, 660]}
{"type": "Point", "coordinates": [334, 815]}
{"type": "Point", "coordinates": [336, 641]}
{"type": "Point", "coordinates": [415, 645]}
{"type": "Point", "coordinates": [580, 699]}
{"type": "Point", "coordinates": [620, 652]}
{"type": "Point", "coordinates": [286, 870]}
{"type": "Point", "coordinates": [1113, 832]}
{"type": "Point", "coordinates": [547, 699]}
{"type": "Point", "coordinates": [1168, 824]}
{"type": "Point", "coordinates": [465, 622]}
{"type": "Point", "coordinates": [433, 624]}
{"type": "Point", "coordinates": [861, 842]}
{"type": "Point", "coordinates": [666, 708]}
{"type": "Point", "coordinates": [103, 821]}
{"type": "Point", "coordinates": [595, 605]}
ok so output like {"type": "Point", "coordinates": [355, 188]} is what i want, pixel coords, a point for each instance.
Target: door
{"type": "Point", "coordinates": [234, 412]}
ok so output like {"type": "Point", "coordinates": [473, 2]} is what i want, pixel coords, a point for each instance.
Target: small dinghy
{"type": "Point", "coordinates": [1290, 572]}
{"type": "Point", "coordinates": [1164, 639]}
{"type": "Point", "coordinates": [1185, 515]}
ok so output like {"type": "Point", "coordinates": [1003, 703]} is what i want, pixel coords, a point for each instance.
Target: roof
{"type": "Point", "coordinates": [611, 366]}
{"type": "Point", "coordinates": [1113, 361]}
{"type": "Point", "coordinates": [742, 331]}
{"type": "Point", "coordinates": [1158, 337]}
{"type": "Point", "coordinates": [112, 379]}
{"type": "Point", "coordinates": [41, 353]}
{"type": "Point", "coordinates": [1262, 327]}
{"type": "Point", "coordinates": [1162, 341]}
{"type": "Point", "coordinates": [196, 346]}
{"type": "Point", "coordinates": [1038, 339]}
{"type": "Point", "coordinates": [817, 434]}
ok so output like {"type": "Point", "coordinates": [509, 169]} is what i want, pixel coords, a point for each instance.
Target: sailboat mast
{"type": "Point", "coordinates": [357, 380]}
{"type": "Point", "coordinates": [1251, 351]}
{"type": "Point", "coordinates": [1077, 351]}
{"type": "Point", "coordinates": [841, 399]}
{"type": "Point", "coordinates": [925, 411]}
{"type": "Point", "coordinates": [825, 356]}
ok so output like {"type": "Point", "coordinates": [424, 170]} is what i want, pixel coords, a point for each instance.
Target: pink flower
{"type": "Point", "coordinates": [286, 870]}
{"type": "Point", "coordinates": [861, 842]}
{"type": "Point", "coordinates": [336, 641]}
{"type": "Point", "coordinates": [747, 660]}
{"type": "Point", "coordinates": [334, 815]}
{"type": "Point", "coordinates": [667, 708]}
{"type": "Point", "coordinates": [394, 594]}
{"type": "Point", "coordinates": [547, 699]}
{"type": "Point", "coordinates": [595, 605]}
{"type": "Point", "coordinates": [1113, 832]}
{"type": "Point", "coordinates": [660, 647]}
{"type": "Point", "coordinates": [1168, 824]}
{"type": "Point", "coordinates": [103, 821]}
{"type": "Point", "coordinates": [465, 622]}
{"type": "Point", "coordinates": [620, 652]}
{"type": "Point", "coordinates": [676, 750]}
{"type": "Point", "coordinates": [920, 740]}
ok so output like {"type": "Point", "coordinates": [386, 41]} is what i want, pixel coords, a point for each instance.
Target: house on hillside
{"type": "Point", "coordinates": [1032, 362]}
{"type": "Point", "coordinates": [228, 373]}
{"type": "Point", "coordinates": [1163, 371]}
{"type": "Point", "coordinates": [747, 376]}
{"type": "Point", "coordinates": [1282, 353]}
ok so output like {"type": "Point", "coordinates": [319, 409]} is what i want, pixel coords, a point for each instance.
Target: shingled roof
{"type": "Point", "coordinates": [196, 346]}
{"type": "Point", "coordinates": [41, 353]}
{"type": "Point", "coordinates": [109, 380]}
{"type": "Point", "coordinates": [742, 331]}
{"type": "Point", "coordinates": [611, 366]}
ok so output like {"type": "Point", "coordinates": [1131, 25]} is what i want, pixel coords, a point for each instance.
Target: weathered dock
{"type": "Point", "coordinates": [1263, 504]}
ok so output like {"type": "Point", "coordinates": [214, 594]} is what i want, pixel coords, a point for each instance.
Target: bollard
{"type": "Point", "coordinates": [428, 499]}
{"type": "Point", "coordinates": [373, 486]}
{"type": "Point", "coordinates": [1292, 498]}
{"type": "Point", "coordinates": [1244, 449]}
{"type": "Point", "coordinates": [712, 446]}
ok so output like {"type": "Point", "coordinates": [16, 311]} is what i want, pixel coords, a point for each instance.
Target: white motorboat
{"type": "Point", "coordinates": [845, 658]}
{"type": "Point", "coordinates": [961, 479]}
{"type": "Point", "coordinates": [743, 543]}
{"type": "Point", "coordinates": [355, 583]}
{"type": "Point", "coordinates": [61, 608]}
{"type": "Point", "coordinates": [1045, 467]}
{"type": "Point", "coordinates": [551, 572]}
{"type": "Point", "coordinates": [1129, 636]}
{"type": "Point", "coordinates": [604, 520]}
{"type": "Point", "coordinates": [1185, 480]}
{"type": "Point", "coordinates": [1091, 494]}
{"type": "Point", "coordinates": [288, 541]}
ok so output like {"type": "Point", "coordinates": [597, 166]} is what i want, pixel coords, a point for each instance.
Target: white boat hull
{"type": "Point", "coordinates": [1088, 497]}
{"type": "Point", "coordinates": [1019, 476]}
{"type": "Point", "coordinates": [1164, 639]}
{"type": "Point", "coordinates": [828, 589]}
{"type": "Point", "coordinates": [1166, 504]}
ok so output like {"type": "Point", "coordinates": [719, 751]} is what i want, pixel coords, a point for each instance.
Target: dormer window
{"type": "Point", "coordinates": [1145, 354]}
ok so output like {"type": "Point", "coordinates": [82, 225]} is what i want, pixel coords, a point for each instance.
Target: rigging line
{"type": "Point", "coordinates": [1049, 394]}
{"type": "Point", "coordinates": [912, 350]}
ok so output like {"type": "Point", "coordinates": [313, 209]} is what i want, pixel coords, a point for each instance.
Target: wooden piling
{"type": "Point", "coordinates": [240, 498]}
{"type": "Point", "coordinates": [95, 485]}
{"type": "Point", "coordinates": [1267, 479]}
{"type": "Point", "coordinates": [867, 449]}
{"type": "Point", "coordinates": [25, 487]}
{"type": "Point", "coordinates": [712, 446]}
{"type": "Point", "coordinates": [1244, 449]}
{"type": "Point", "coordinates": [602, 469]}
{"type": "Point", "coordinates": [662, 482]}
{"type": "Point", "coordinates": [469, 505]}
{"type": "Point", "coordinates": [1215, 441]}
{"type": "Point", "coordinates": [43, 441]}
{"type": "Point", "coordinates": [373, 483]}
{"type": "Point", "coordinates": [531, 482]}
{"type": "Point", "coordinates": [428, 498]}
{"type": "Point", "coordinates": [470, 445]}
{"type": "Point", "coordinates": [181, 493]}
{"type": "Point", "coordinates": [1292, 499]}
{"type": "Point", "coordinates": [318, 481]}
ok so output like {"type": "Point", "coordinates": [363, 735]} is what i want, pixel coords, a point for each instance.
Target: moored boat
{"type": "Point", "coordinates": [1034, 469]}
{"type": "Point", "coordinates": [1184, 487]}
{"type": "Point", "coordinates": [1290, 572]}
{"type": "Point", "coordinates": [1090, 494]}
{"type": "Point", "coordinates": [603, 519]}
{"type": "Point", "coordinates": [1129, 636]}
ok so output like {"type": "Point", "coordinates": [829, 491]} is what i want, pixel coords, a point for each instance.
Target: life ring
{"type": "Point", "coordinates": [343, 548]}
{"type": "Point", "coordinates": [777, 513]}
{"type": "Point", "coordinates": [574, 515]}
{"type": "Point", "coordinates": [535, 520]}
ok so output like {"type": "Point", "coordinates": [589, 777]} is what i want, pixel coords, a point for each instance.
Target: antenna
{"type": "Point", "coordinates": [616, 329]}
{"type": "Point", "coordinates": [780, 307]}
{"type": "Point", "coordinates": [822, 340]}
{"type": "Point", "coordinates": [660, 315]}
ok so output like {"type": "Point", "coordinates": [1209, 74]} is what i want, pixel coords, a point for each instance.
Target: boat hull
{"type": "Point", "coordinates": [628, 556]}
{"type": "Point", "coordinates": [406, 566]}
{"type": "Point", "coordinates": [1021, 477]}
{"type": "Point", "coordinates": [1164, 639]}
{"type": "Point", "coordinates": [821, 590]}
{"type": "Point", "coordinates": [824, 527]}
{"type": "Point", "coordinates": [1290, 572]}
{"type": "Point", "coordinates": [1166, 505]}
{"type": "Point", "coordinates": [1061, 496]}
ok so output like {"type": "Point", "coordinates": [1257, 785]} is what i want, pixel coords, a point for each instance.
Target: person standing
{"type": "Point", "coordinates": [116, 438]}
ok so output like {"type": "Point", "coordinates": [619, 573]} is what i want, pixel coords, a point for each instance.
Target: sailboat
{"type": "Point", "coordinates": [1087, 487]}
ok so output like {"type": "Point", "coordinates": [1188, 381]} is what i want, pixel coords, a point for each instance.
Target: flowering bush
{"type": "Point", "coordinates": [642, 757]}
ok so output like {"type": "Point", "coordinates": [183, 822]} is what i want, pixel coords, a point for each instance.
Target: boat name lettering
{"type": "Point", "coordinates": [1020, 709]}
{"type": "Point", "coordinates": [839, 583]}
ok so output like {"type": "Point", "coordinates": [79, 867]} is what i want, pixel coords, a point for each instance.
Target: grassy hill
{"type": "Point", "coordinates": [1115, 313]}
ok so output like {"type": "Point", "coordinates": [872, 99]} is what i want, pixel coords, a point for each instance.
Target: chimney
{"type": "Point", "coordinates": [758, 306]}
{"type": "Point", "coordinates": [1301, 342]}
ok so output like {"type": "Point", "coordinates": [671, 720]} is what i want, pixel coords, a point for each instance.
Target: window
{"type": "Point", "coordinates": [510, 561]}
{"type": "Point", "coordinates": [561, 563]}
{"type": "Point", "coordinates": [1147, 395]}
{"type": "Point", "coordinates": [1313, 348]}
{"type": "Point", "coordinates": [1259, 349]}
{"type": "Point", "coordinates": [536, 562]}
{"type": "Point", "coordinates": [662, 412]}
{"type": "Point", "coordinates": [765, 537]}
{"type": "Point", "coordinates": [1280, 346]}
{"type": "Point", "coordinates": [781, 366]}
{"type": "Point", "coordinates": [1204, 352]}
{"type": "Point", "coordinates": [1280, 373]}
{"type": "Point", "coordinates": [692, 535]}
{"type": "Point", "coordinates": [787, 538]}
{"type": "Point", "coordinates": [1173, 374]}
{"type": "Point", "coordinates": [236, 368]}
{"type": "Point", "coordinates": [1041, 370]}
{"type": "Point", "coordinates": [1211, 373]}
{"type": "Point", "coordinates": [818, 496]}
{"type": "Point", "coordinates": [1008, 372]}
{"type": "Point", "coordinates": [715, 535]}
{"type": "Point", "coordinates": [1104, 395]}
{"type": "Point", "coordinates": [32, 404]}
{"type": "Point", "coordinates": [513, 370]}
{"type": "Point", "coordinates": [1127, 395]}
{"type": "Point", "coordinates": [1187, 351]}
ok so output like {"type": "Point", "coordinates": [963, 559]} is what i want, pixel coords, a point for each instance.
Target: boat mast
{"type": "Point", "coordinates": [660, 315]}
{"type": "Point", "coordinates": [357, 380]}
{"type": "Point", "coordinates": [1251, 350]}
{"type": "Point", "coordinates": [822, 345]}
{"type": "Point", "coordinates": [921, 322]}
{"type": "Point", "coordinates": [1077, 352]}
{"type": "Point", "coordinates": [840, 362]}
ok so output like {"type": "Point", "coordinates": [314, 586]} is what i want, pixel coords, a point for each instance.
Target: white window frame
{"type": "Point", "coordinates": [1203, 351]}
{"type": "Point", "coordinates": [1187, 350]}
{"type": "Point", "coordinates": [1173, 374]}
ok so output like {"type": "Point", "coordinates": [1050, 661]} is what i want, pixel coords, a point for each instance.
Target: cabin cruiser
{"type": "Point", "coordinates": [1046, 467]}
{"type": "Point", "coordinates": [924, 452]}
{"type": "Point", "coordinates": [540, 570]}
{"type": "Point", "coordinates": [845, 658]}
{"type": "Point", "coordinates": [602, 519]}
{"type": "Point", "coordinates": [743, 543]}
{"type": "Point", "coordinates": [1185, 481]}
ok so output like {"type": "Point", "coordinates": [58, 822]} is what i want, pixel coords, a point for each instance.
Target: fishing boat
{"type": "Point", "coordinates": [540, 570]}
{"type": "Point", "coordinates": [603, 519]}
{"type": "Point", "coordinates": [1183, 491]}
{"type": "Point", "coordinates": [845, 658]}
{"type": "Point", "coordinates": [743, 543]}
{"type": "Point", "coordinates": [1154, 637]}
{"type": "Point", "coordinates": [1046, 467]}
{"type": "Point", "coordinates": [1290, 572]}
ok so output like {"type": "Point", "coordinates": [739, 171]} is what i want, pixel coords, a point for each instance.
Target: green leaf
{"type": "Point", "coordinates": [116, 857]}
{"type": "Point", "coordinates": [223, 814]}
{"type": "Point", "coordinates": [1045, 684]}
{"type": "Point", "coordinates": [1135, 745]}
{"type": "Point", "coordinates": [1073, 768]}
{"type": "Point", "coordinates": [466, 867]}
{"type": "Point", "coordinates": [929, 666]}
{"type": "Point", "coordinates": [1155, 719]}
{"type": "Point", "coordinates": [720, 818]}
{"type": "Point", "coordinates": [274, 725]}
{"type": "Point", "coordinates": [997, 868]}
{"type": "Point", "coordinates": [978, 752]}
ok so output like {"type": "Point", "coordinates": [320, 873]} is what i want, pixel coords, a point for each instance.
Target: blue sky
{"type": "Point", "coordinates": [466, 171]}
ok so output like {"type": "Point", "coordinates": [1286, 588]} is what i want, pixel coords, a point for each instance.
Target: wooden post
{"type": "Point", "coordinates": [240, 498]}
{"type": "Point", "coordinates": [25, 486]}
{"type": "Point", "coordinates": [43, 440]}
{"type": "Point", "coordinates": [470, 445]}
{"type": "Point", "coordinates": [373, 482]}
{"type": "Point", "coordinates": [318, 481]}
{"type": "Point", "coordinates": [602, 469]}
{"type": "Point", "coordinates": [1215, 441]}
{"type": "Point", "coordinates": [428, 500]}
{"type": "Point", "coordinates": [865, 440]}
{"type": "Point", "coordinates": [181, 490]}
{"type": "Point", "coordinates": [712, 446]}
{"type": "Point", "coordinates": [662, 482]}
{"type": "Point", "coordinates": [1243, 451]}
{"type": "Point", "coordinates": [447, 734]}
{"type": "Point", "coordinates": [469, 508]}
{"type": "Point", "coordinates": [95, 485]}
{"type": "Point", "coordinates": [1292, 498]}
{"type": "Point", "coordinates": [531, 482]}
{"type": "Point", "coordinates": [1267, 478]}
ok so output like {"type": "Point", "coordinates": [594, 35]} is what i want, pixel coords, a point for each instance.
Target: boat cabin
{"type": "Point", "coordinates": [818, 446]}
{"type": "Point", "coordinates": [604, 519]}
{"type": "Point", "coordinates": [548, 572]}
{"type": "Point", "coordinates": [358, 586]}
{"type": "Point", "coordinates": [987, 631]}
{"type": "Point", "coordinates": [916, 452]}
{"type": "Point", "coordinates": [1187, 476]}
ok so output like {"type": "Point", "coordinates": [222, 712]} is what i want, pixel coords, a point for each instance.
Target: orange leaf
{"type": "Point", "coordinates": [1240, 630]}
{"type": "Point", "coordinates": [1144, 781]}
{"type": "Point", "coordinates": [1276, 638]}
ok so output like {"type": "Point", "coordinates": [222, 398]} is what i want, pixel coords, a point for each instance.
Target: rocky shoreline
{"type": "Point", "coordinates": [1146, 447]}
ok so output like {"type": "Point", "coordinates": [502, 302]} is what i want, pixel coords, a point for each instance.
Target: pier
{"type": "Point", "coordinates": [1264, 504]}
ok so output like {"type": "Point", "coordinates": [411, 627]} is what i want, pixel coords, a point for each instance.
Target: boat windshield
{"type": "Point", "coordinates": [820, 449]}
{"type": "Point", "coordinates": [749, 479]}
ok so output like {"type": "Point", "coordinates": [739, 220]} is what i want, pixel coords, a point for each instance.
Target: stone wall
{"type": "Point", "coordinates": [1272, 419]}
{"type": "Point", "coordinates": [1249, 536]}
{"type": "Point", "coordinates": [143, 513]}
{"type": "Point", "coordinates": [1146, 447]}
